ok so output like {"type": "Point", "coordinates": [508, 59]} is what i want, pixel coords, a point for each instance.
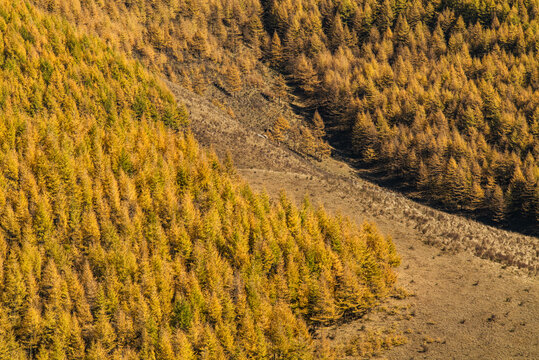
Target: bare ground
{"type": "Point", "coordinates": [461, 306]}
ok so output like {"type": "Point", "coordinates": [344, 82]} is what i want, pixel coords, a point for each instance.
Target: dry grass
{"type": "Point", "coordinates": [439, 290]}
{"type": "Point", "coordinates": [372, 342]}
{"type": "Point", "coordinates": [454, 233]}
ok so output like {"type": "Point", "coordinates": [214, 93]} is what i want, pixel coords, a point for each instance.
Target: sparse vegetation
{"type": "Point", "coordinates": [371, 343]}
{"type": "Point", "coordinates": [438, 228]}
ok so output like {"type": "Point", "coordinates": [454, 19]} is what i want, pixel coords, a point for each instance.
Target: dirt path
{"type": "Point", "coordinates": [463, 307]}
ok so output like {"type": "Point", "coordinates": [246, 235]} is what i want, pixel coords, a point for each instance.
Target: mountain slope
{"type": "Point", "coordinates": [120, 237]}
{"type": "Point", "coordinates": [440, 95]}
{"type": "Point", "coordinates": [241, 138]}
{"type": "Point", "coordinates": [461, 306]}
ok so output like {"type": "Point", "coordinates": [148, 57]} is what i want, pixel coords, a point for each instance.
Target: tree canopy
{"type": "Point", "coordinates": [403, 83]}
{"type": "Point", "coordinates": [121, 238]}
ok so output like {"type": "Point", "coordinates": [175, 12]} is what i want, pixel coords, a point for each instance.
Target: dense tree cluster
{"type": "Point", "coordinates": [445, 94]}
{"type": "Point", "coordinates": [195, 39]}
{"type": "Point", "coordinates": [121, 238]}
{"type": "Point", "coordinates": [196, 43]}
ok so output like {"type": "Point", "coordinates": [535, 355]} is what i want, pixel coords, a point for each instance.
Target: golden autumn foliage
{"type": "Point", "coordinates": [402, 82]}
{"type": "Point", "coordinates": [420, 88]}
{"type": "Point", "coordinates": [121, 238]}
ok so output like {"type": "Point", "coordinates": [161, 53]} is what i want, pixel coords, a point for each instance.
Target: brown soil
{"type": "Point", "coordinates": [461, 306]}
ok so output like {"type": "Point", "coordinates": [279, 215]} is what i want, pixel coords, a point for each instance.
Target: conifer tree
{"type": "Point", "coordinates": [280, 128]}
{"type": "Point", "coordinates": [276, 52]}
{"type": "Point", "coordinates": [309, 142]}
{"type": "Point", "coordinates": [497, 204]}
{"type": "Point", "coordinates": [456, 184]}
{"type": "Point", "coordinates": [280, 89]}
{"type": "Point", "coordinates": [364, 137]}
{"type": "Point", "coordinates": [199, 43]}
{"type": "Point", "coordinates": [306, 76]}
{"type": "Point", "coordinates": [402, 30]}
{"type": "Point", "coordinates": [423, 181]}
{"type": "Point", "coordinates": [233, 78]}
{"type": "Point", "coordinates": [319, 130]}
{"type": "Point", "coordinates": [517, 204]}
{"type": "Point", "coordinates": [385, 15]}
{"type": "Point", "coordinates": [476, 196]}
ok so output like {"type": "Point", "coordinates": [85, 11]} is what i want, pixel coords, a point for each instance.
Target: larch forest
{"type": "Point", "coordinates": [122, 237]}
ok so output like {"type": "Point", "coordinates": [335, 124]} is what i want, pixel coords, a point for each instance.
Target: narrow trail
{"type": "Point", "coordinates": [461, 306]}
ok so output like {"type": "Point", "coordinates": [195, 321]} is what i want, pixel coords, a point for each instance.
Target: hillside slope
{"type": "Point", "coordinates": [121, 238]}
{"type": "Point", "coordinates": [442, 96]}
{"type": "Point", "coordinates": [463, 306]}
{"type": "Point", "coordinates": [241, 136]}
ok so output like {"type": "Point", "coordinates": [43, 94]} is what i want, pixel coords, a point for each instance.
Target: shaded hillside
{"type": "Point", "coordinates": [190, 40]}
{"type": "Point", "coordinates": [443, 95]}
{"type": "Point", "coordinates": [120, 237]}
